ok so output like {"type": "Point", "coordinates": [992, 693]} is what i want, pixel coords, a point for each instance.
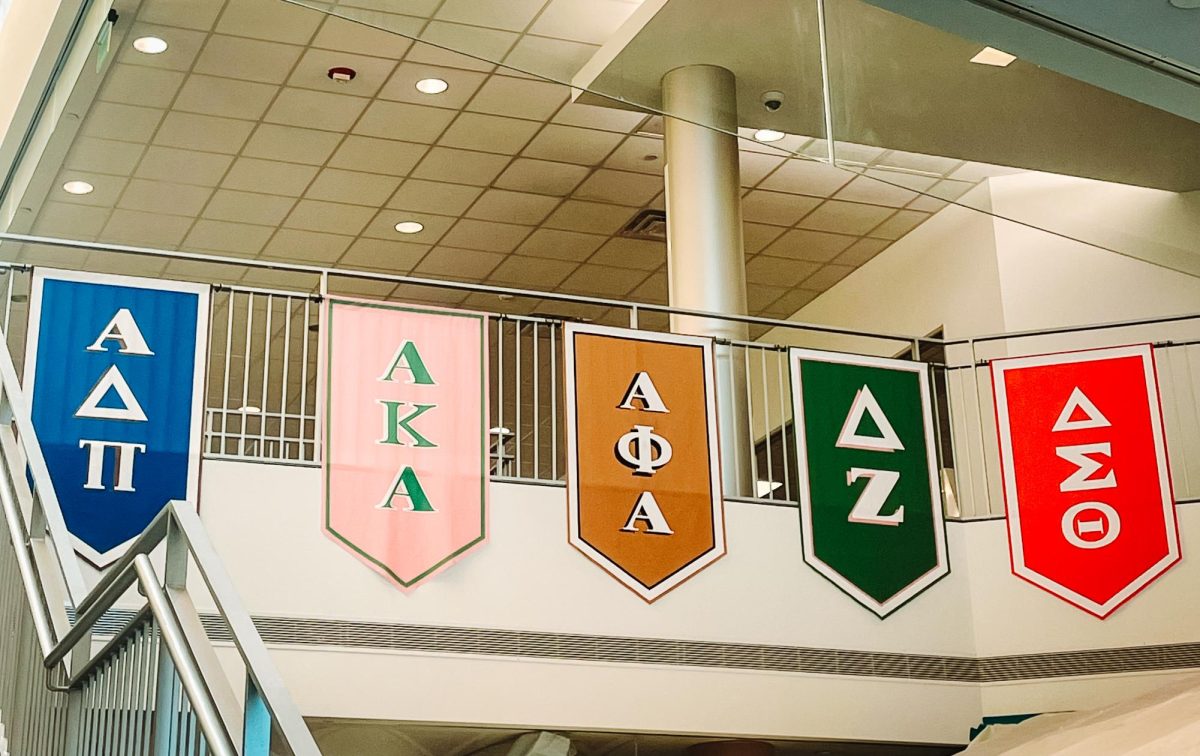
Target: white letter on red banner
{"type": "Point", "coordinates": [1091, 516]}
{"type": "Point", "coordinates": [405, 427]}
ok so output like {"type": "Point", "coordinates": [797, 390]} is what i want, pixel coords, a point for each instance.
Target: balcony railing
{"type": "Point", "coordinates": [263, 367]}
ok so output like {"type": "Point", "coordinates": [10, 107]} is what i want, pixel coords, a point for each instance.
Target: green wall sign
{"type": "Point", "coordinates": [870, 506]}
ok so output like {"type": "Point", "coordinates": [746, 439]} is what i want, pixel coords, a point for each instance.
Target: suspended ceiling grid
{"type": "Point", "coordinates": [235, 142]}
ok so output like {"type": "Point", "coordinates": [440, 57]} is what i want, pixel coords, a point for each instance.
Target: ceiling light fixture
{"type": "Point", "coordinates": [150, 45]}
{"type": "Point", "coordinates": [78, 187]}
{"type": "Point", "coordinates": [341, 74]}
{"type": "Point", "coordinates": [990, 56]}
{"type": "Point", "coordinates": [432, 86]}
{"type": "Point", "coordinates": [410, 227]}
{"type": "Point", "coordinates": [768, 135]}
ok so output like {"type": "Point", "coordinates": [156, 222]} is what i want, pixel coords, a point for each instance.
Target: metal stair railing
{"type": "Point", "coordinates": [158, 685]}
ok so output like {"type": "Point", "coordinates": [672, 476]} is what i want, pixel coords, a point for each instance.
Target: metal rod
{"type": "Point", "coordinates": [553, 405]}
{"type": "Point", "coordinates": [246, 373]}
{"type": "Point", "coordinates": [826, 84]}
{"type": "Point", "coordinates": [766, 392]}
{"type": "Point", "coordinates": [266, 377]}
{"type": "Point", "coordinates": [287, 358]}
{"type": "Point", "coordinates": [784, 386]}
{"type": "Point", "coordinates": [537, 428]}
{"type": "Point", "coordinates": [229, 300]}
{"type": "Point", "coordinates": [304, 381]}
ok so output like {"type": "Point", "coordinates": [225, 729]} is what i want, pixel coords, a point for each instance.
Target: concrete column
{"type": "Point", "coordinates": [706, 266]}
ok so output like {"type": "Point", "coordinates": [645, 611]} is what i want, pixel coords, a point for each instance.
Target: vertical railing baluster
{"type": "Point", "coordinates": [537, 429]}
{"type": "Point", "coordinates": [517, 429]}
{"type": "Point", "coordinates": [283, 381]}
{"type": "Point", "coordinates": [554, 402]}
{"type": "Point", "coordinates": [229, 301]}
{"type": "Point", "coordinates": [762, 362]}
{"type": "Point", "coordinates": [264, 403]}
{"type": "Point", "coordinates": [783, 372]}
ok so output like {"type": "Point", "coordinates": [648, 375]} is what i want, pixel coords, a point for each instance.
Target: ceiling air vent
{"type": "Point", "coordinates": [648, 224]}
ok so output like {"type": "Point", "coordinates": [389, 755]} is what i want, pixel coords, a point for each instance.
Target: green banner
{"type": "Point", "coordinates": [870, 506]}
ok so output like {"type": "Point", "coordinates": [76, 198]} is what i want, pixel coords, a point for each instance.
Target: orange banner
{"type": "Point", "coordinates": [644, 493]}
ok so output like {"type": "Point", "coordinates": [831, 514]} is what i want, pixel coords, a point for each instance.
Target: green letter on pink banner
{"type": "Point", "coordinates": [405, 435]}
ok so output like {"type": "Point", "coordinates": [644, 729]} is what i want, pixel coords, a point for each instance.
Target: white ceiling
{"type": "Point", "coordinates": [235, 142]}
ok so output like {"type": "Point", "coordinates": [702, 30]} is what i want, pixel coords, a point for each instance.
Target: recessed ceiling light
{"type": "Point", "coordinates": [78, 187]}
{"type": "Point", "coordinates": [150, 45]}
{"type": "Point", "coordinates": [409, 227]}
{"type": "Point", "coordinates": [432, 86]}
{"type": "Point", "coordinates": [990, 56]}
{"type": "Point", "coordinates": [768, 135]}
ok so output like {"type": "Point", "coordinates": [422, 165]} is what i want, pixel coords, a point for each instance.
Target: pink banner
{"type": "Point", "coordinates": [405, 435]}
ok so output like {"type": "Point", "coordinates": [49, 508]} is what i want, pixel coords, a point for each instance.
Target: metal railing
{"type": "Point", "coordinates": [158, 684]}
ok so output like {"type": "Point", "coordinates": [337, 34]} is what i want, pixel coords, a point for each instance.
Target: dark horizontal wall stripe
{"type": "Point", "coordinates": [304, 631]}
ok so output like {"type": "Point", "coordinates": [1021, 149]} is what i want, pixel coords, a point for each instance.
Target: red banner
{"type": "Point", "coordinates": [1091, 516]}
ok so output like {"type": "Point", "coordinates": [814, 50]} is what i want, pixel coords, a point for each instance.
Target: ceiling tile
{"type": "Point", "coordinates": [103, 156]}
{"type": "Point", "coordinates": [335, 185]}
{"type": "Point", "coordinates": [163, 197]}
{"type": "Point", "coordinates": [106, 189]}
{"type": "Point", "coordinates": [306, 246]}
{"type": "Point", "coordinates": [251, 59]}
{"type": "Point", "coordinates": [531, 272]}
{"type": "Point", "coordinates": [592, 217]}
{"type": "Point", "coordinates": [316, 110]}
{"type": "Point", "coordinates": [244, 207]}
{"type": "Point", "coordinates": [867, 189]}
{"type": "Point", "coordinates": [845, 217]}
{"type": "Point", "coordinates": [312, 72]}
{"type": "Point", "coordinates": [348, 36]}
{"type": "Point", "coordinates": [512, 207]}
{"type": "Point", "coordinates": [519, 98]}
{"type": "Point", "coordinates": [553, 59]}
{"type": "Point", "coordinates": [760, 297]}
{"type": "Point", "coordinates": [382, 255]}
{"type": "Point", "coordinates": [182, 46]}
{"type": "Point", "coordinates": [542, 177]}
{"type": "Point", "coordinates": [481, 43]}
{"type": "Point", "coordinates": [916, 181]}
{"type": "Point", "coordinates": [198, 270]}
{"type": "Point", "coordinates": [269, 177]}
{"type": "Point", "coordinates": [138, 85]}
{"type": "Point", "coordinates": [190, 131]}
{"type": "Point", "coordinates": [754, 166]}
{"type": "Point", "coordinates": [231, 98]}
{"type": "Point", "coordinates": [899, 224]}
{"type": "Point", "coordinates": [765, 269]}
{"type": "Point", "coordinates": [270, 20]}
{"type": "Point", "coordinates": [368, 154]}
{"type": "Point", "coordinates": [583, 20]}
{"type": "Point", "coordinates": [462, 166]}
{"type": "Point", "coordinates": [400, 120]}
{"type": "Point", "coordinates": [185, 166]}
{"type": "Point", "coordinates": [458, 263]}
{"type": "Point", "coordinates": [488, 133]}
{"type": "Point", "coordinates": [569, 144]}
{"type": "Point", "coordinates": [827, 276]}
{"type": "Point", "coordinates": [917, 162]}
{"type": "Point", "coordinates": [777, 208]}
{"type": "Point", "coordinates": [638, 153]}
{"type": "Point", "coordinates": [329, 217]}
{"type": "Point", "coordinates": [281, 279]}
{"type": "Point", "coordinates": [560, 245]}
{"type": "Point", "coordinates": [755, 236]}
{"type": "Point", "coordinates": [800, 244]}
{"type": "Point", "coordinates": [420, 8]}
{"type": "Point", "coordinates": [862, 251]}
{"type": "Point", "coordinates": [191, 14]}
{"type": "Point", "coordinates": [631, 253]}
{"type": "Point", "coordinates": [514, 15]}
{"type": "Point", "coordinates": [71, 221]}
{"type": "Point", "coordinates": [603, 280]}
{"type": "Point", "coordinates": [434, 197]}
{"type": "Point", "coordinates": [127, 123]}
{"type": "Point", "coordinates": [790, 302]}
{"type": "Point", "coordinates": [384, 226]}
{"type": "Point", "coordinates": [362, 287]}
{"type": "Point", "coordinates": [620, 187]}
{"type": "Point", "coordinates": [125, 266]}
{"type": "Point", "coordinates": [596, 117]}
{"type": "Point", "coordinates": [222, 236]}
{"type": "Point", "coordinates": [402, 85]}
{"type": "Point", "coordinates": [951, 190]}
{"type": "Point", "coordinates": [150, 229]}
{"type": "Point", "coordinates": [807, 177]}
{"type": "Point", "coordinates": [295, 145]}
{"type": "Point", "coordinates": [653, 290]}
{"type": "Point", "coordinates": [926, 204]}
{"type": "Point", "coordinates": [485, 235]}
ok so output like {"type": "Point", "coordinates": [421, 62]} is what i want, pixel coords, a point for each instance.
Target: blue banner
{"type": "Point", "coordinates": [115, 370]}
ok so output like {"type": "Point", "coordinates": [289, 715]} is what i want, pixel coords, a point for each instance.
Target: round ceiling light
{"type": "Point", "coordinates": [432, 86]}
{"type": "Point", "coordinates": [78, 187]}
{"type": "Point", "coordinates": [768, 135]}
{"type": "Point", "coordinates": [409, 227]}
{"type": "Point", "coordinates": [150, 45]}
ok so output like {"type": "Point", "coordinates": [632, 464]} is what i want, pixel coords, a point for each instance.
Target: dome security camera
{"type": "Point", "coordinates": [772, 100]}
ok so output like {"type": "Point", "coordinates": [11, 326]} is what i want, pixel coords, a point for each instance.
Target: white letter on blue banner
{"type": "Point", "coordinates": [115, 373]}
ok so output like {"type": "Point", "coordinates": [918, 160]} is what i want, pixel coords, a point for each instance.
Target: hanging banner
{"type": "Point", "coordinates": [405, 415]}
{"type": "Point", "coordinates": [644, 487]}
{"type": "Point", "coordinates": [1091, 515]}
{"type": "Point", "coordinates": [870, 506]}
{"type": "Point", "coordinates": [115, 373]}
